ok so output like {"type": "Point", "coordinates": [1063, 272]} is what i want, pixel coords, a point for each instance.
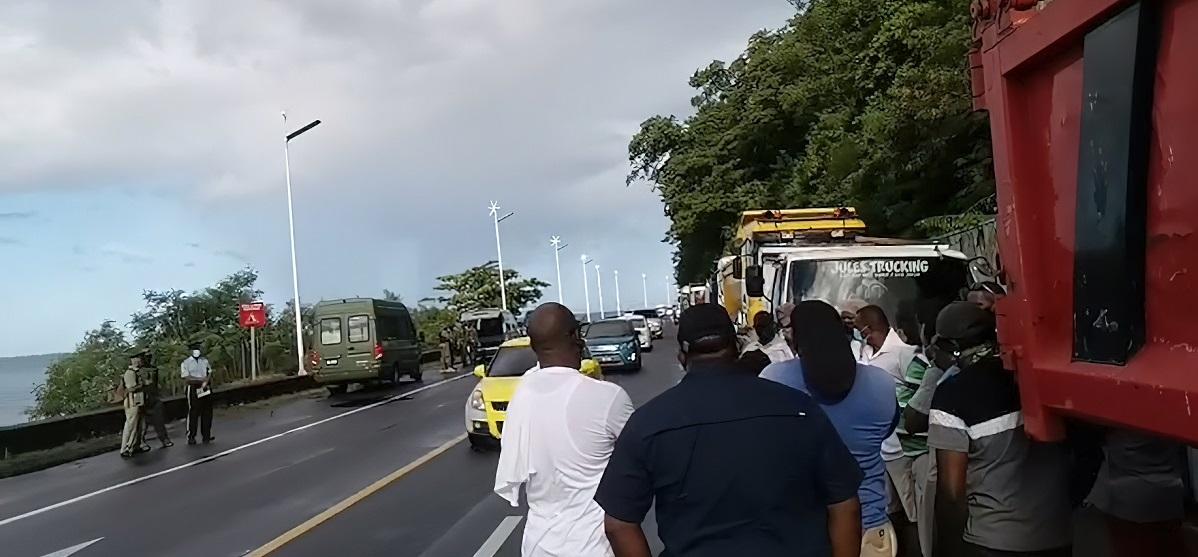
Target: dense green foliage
{"type": "Point", "coordinates": [853, 102]}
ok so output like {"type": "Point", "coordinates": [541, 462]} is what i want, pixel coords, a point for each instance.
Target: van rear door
{"type": "Point", "coordinates": [397, 334]}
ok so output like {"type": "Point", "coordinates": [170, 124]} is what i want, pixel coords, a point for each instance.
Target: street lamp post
{"type": "Point", "coordinates": [619, 309]}
{"type": "Point", "coordinates": [558, 246]}
{"type": "Point", "coordinates": [494, 210]}
{"type": "Point", "coordinates": [645, 289]}
{"type": "Point", "coordinates": [669, 303]}
{"type": "Point", "coordinates": [586, 288]}
{"type": "Point", "coordinates": [299, 334]}
{"type": "Point", "coordinates": [599, 287]}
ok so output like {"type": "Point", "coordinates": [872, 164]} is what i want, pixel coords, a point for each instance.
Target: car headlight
{"type": "Point", "coordinates": [476, 400]}
{"type": "Point", "coordinates": [632, 356]}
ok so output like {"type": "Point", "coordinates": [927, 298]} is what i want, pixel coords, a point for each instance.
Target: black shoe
{"type": "Point", "coordinates": [142, 449]}
{"type": "Point", "coordinates": [191, 440]}
{"type": "Point", "coordinates": [167, 444]}
{"type": "Point", "coordinates": [126, 455]}
{"type": "Point", "coordinates": [209, 439]}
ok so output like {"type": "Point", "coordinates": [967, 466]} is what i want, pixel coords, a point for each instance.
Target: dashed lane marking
{"type": "Point", "coordinates": [221, 454]}
{"type": "Point", "coordinates": [500, 535]}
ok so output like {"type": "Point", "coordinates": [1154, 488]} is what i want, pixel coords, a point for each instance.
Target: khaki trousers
{"type": "Point", "coordinates": [131, 434]}
{"type": "Point", "coordinates": [879, 542]}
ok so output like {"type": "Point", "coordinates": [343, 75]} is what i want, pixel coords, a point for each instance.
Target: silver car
{"type": "Point", "coordinates": [643, 334]}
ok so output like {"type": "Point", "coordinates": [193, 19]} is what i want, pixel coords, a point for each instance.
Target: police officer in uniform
{"type": "Point", "coordinates": [197, 373]}
{"type": "Point", "coordinates": [134, 399]}
{"type": "Point", "coordinates": [153, 411]}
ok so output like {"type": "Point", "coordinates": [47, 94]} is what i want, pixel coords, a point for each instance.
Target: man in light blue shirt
{"type": "Point", "coordinates": [859, 400]}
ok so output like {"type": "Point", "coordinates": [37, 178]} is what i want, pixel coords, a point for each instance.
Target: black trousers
{"type": "Point", "coordinates": [979, 551]}
{"type": "Point", "coordinates": [155, 415]}
{"type": "Point", "coordinates": [199, 413]}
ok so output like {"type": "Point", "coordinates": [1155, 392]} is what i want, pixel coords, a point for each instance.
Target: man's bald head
{"type": "Point", "coordinates": [553, 332]}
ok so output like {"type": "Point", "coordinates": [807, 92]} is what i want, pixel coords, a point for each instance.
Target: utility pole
{"type": "Point", "coordinates": [599, 287]}
{"type": "Point", "coordinates": [494, 210]}
{"type": "Point", "coordinates": [586, 289]}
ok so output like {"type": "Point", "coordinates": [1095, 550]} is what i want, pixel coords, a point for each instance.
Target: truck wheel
{"type": "Point", "coordinates": [335, 390]}
{"type": "Point", "coordinates": [417, 375]}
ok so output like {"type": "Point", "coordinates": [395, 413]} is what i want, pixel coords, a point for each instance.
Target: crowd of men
{"type": "Point", "coordinates": [830, 435]}
{"type": "Point", "coordinates": [458, 343]}
{"type": "Point", "coordinates": [139, 393]}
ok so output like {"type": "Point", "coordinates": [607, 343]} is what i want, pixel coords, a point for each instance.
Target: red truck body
{"type": "Point", "coordinates": [1093, 109]}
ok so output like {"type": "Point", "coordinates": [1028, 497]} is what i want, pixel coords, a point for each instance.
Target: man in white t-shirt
{"type": "Point", "coordinates": [559, 433]}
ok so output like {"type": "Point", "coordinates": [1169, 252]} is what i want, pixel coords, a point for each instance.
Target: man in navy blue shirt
{"type": "Point", "coordinates": [736, 465]}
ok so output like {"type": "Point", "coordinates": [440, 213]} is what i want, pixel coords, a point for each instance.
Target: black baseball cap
{"type": "Point", "coordinates": [705, 328]}
{"type": "Point", "coordinates": [965, 323]}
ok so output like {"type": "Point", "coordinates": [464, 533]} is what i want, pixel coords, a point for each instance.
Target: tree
{"type": "Point", "coordinates": [392, 296]}
{"type": "Point", "coordinates": [853, 102]}
{"type": "Point", "coordinates": [83, 379]}
{"type": "Point", "coordinates": [477, 288]}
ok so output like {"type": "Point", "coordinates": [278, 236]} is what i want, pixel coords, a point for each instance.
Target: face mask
{"type": "Point", "coordinates": [857, 336]}
{"type": "Point", "coordinates": [195, 353]}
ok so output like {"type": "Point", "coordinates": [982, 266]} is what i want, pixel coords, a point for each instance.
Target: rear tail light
{"type": "Point", "coordinates": [378, 350]}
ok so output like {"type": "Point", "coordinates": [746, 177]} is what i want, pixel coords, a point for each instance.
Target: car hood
{"type": "Point", "coordinates": [498, 388]}
{"type": "Point", "coordinates": [610, 340]}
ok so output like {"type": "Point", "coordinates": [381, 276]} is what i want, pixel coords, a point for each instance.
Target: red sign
{"type": "Point", "coordinates": [253, 315]}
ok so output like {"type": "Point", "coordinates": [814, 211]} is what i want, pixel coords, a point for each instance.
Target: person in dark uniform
{"type": "Point", "coordinates": [197, 373]}
{"type": "Point", "coordinates": [735, 464]}
{"type": "Point", "coordinates": [153, 411]}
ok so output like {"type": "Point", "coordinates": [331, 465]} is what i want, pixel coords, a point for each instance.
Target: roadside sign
{"type": "Point", "coordinates": [252, 315]}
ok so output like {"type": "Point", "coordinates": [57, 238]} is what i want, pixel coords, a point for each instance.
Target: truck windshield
{"type": "Point", "coordinates": [512, 361]}
{"type": "Point", "coordinates": [490, 327]}
{"type": "Point", "coordinates": [897, 285]}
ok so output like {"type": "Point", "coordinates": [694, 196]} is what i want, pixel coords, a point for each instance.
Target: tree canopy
{"type": "Point", "coordinates": [477, 288]}
{"type": "Point", "coordinates": [852, 102]}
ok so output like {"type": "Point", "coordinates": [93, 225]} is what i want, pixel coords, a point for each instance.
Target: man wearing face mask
{"type": "Point", "coordinates": [197, 374]}
{"type": "Point", "coordinates": [768, 342]}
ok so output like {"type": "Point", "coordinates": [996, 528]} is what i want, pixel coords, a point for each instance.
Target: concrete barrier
{"type": "Point", "coordinates": [52, 432]}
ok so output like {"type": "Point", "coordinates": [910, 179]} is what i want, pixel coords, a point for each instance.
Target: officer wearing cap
{"type": "Point", "coordinates": [734, 464]}
{"type": "Point", "coordinates": [153, 412]}
{"type": "Point", "coordinates": [134, 399]}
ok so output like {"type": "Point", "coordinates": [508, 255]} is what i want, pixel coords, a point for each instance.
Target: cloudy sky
{"type": "Point", "coordinates": [140, 144]}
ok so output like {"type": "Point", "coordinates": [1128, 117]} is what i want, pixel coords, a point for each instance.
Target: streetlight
{"type": "Point", "coordinates": [645, 289]}
{"type": "Point", "coordinates": [599, 287]}
{"type": "Point", "coordinates": [619, 309]}
{"type": "Point", "coordinates": [669, 303]}
{"type": "Point", "coordinates": [586, 289]}
{"type": "Point", "coordinates": [299, 335]}
{"type": "Point", "coordinates": [494, 209]}
{"type": "Point", "coordinates": [558, 246]}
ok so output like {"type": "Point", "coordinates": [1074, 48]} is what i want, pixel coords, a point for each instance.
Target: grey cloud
{"type": "Point", "coordinates": [125, 254]}
{"type": "Point", "coordinates": [431, 108]}
{"type": "Point", "coordinates": [17, 215]}
{"type": "Point", "coordinates": [233, 254]}
{"type": "Point", "coordinates": [5, 241]}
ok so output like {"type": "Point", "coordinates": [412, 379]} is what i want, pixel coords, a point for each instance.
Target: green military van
{"type": "Point", "coordinates": [362, 340]}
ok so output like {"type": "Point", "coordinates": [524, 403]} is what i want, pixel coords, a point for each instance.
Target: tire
{"type": "Point", "coordinates": [417, 376]}
{"type": "Point", "coordinates": [335, 390]}
{"type": "Point", "coordinates": [637, 366]}
{"type": "Point", "coordinates": [482, 443]}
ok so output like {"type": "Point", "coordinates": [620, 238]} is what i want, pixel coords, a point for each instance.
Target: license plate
{"type": "Point", "coordinates": [331, 362]}
{"type": "Point", "coordinates": [609, 359]}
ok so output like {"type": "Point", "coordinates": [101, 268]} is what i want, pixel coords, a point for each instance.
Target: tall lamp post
{"type": "Point", "coordinates": [558, 246]}
{"type": "Point", "coordinates": [299, 325]}
{"type": "Point", "coordinates": [599, 287]}
{"type": "Point", "coordinates": [645, 289]}
{"type": "Point", "coordinates": [619, 309]}
{"type": "Point", "coordinates": [586, 289]}
{"type": "Point", "coordinates": [494, 210]}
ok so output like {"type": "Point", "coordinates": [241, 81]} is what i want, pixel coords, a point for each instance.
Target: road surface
{"type": "Point", "coordinates": [382, 472]}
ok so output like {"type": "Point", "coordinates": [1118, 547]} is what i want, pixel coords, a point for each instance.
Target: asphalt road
{"type": "Point", "coordinates": [273, 470]}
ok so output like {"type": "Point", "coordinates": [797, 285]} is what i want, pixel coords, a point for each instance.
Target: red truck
{"type": "Point", "coordinates": [1093, 109]}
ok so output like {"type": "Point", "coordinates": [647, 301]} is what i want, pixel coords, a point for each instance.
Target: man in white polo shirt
{"type": "Point", "coordinates": [197, 374]}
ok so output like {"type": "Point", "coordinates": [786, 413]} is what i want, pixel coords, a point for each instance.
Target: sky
{"type": "Point", "coordinates": [141, 145]}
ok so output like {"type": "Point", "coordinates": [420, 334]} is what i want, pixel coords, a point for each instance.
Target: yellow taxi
{"type": "Point", "coordinates": [486, 407]}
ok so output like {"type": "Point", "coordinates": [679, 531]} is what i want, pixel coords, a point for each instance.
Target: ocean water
{"type": "Point", "coordinates": [18, 377]}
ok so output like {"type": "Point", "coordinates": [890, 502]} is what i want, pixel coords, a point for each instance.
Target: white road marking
{"type": "Point", "coordinates": [500, 535]}
{"type": "Point", "coordinates": [211, 458]}
{"type": "Point", "coordinates": [72, 550]}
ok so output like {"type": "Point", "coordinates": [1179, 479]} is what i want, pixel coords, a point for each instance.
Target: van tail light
{"type": "Point", "coordinates": [378, 350]}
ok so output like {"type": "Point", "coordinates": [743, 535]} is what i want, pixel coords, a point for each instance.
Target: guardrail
{"type": "Point", "coordinates": [53, 432]}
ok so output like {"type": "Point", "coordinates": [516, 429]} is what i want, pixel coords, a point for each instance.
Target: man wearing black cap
{"type": "Point", "coordinates": [734, 464]}
{"type": "Point", "coordinates": [999, 493]}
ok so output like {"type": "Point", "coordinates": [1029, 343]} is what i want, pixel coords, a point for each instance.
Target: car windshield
{"type": "Point", "coordinates": [646, 312]}
{"type": "Point", "coordinates": [637, 322]}
{"type": "Point", "coordinates": [897, 285]}
{"type": "Point", "coordinates": [489, 327]}
{"type": "Point", "coordinates": [601, 329]}
{"type": "Point", "coordinates": [512, 361]}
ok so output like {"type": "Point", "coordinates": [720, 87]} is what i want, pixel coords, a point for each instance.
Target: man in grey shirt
{"type": "Point", "coordinates": [197, 374]}
{"type": "Point", "coordinates": [999, 493]}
